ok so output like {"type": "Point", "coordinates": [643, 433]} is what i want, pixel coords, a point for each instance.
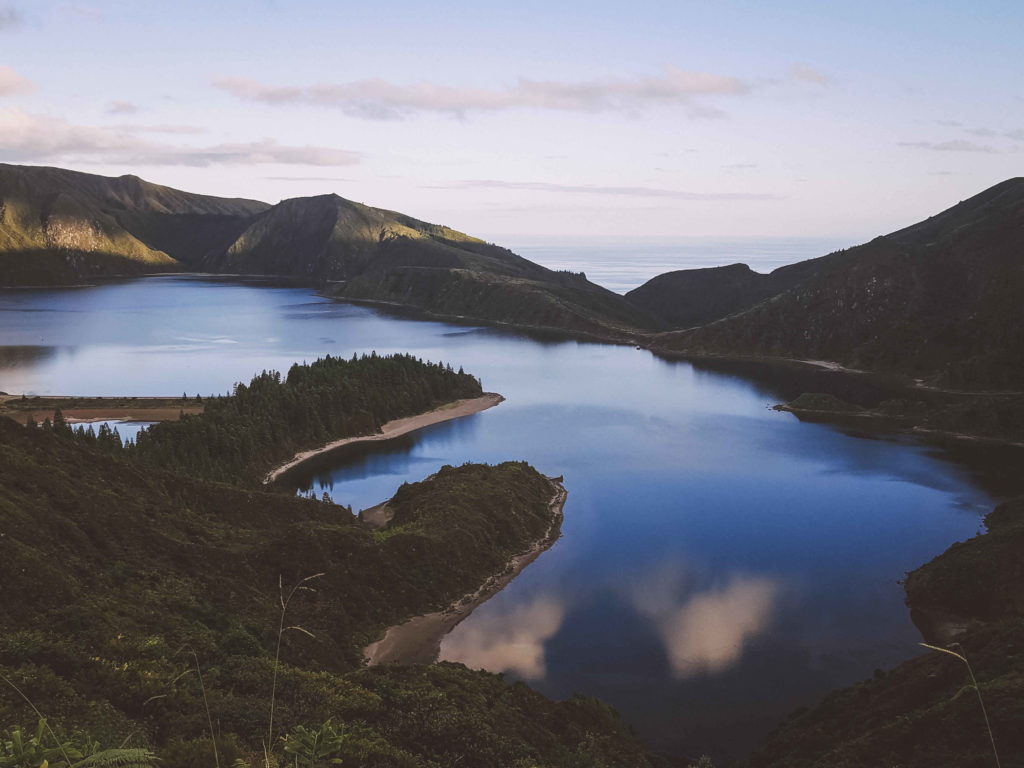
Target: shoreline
{"type": "Point", "coordinates": [85, 409]}
{"type": "Point", "coordinates": [396, 428]}
{"type": "Point", "coordinates": [418, 640]}
{"type": "Point", "coordinates": [897, 425]}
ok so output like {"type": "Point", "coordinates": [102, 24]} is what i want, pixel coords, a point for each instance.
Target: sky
{"type": "Point", "coordinates": [534, 119]}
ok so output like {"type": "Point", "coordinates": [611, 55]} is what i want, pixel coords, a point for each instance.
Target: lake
{"type": "Point", "coordinates": [721, 563]}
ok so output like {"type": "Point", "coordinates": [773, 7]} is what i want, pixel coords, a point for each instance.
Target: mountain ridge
{"type": "Point", "coordinates": [60, 226]}
{"type": "Point", "coordinates": [938, 301]}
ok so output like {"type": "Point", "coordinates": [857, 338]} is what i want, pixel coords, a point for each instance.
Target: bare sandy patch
{"type": "Point", "coordinates": [396, 428]}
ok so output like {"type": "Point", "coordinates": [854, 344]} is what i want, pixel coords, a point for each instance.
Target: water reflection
{"type": "Point", "coordinates": [509, 641]}
{"type": "Point", "coordinates": [706, 631]}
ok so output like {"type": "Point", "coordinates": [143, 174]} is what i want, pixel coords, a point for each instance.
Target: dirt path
{"type": "Point", "coordinates": [396, 428]}
{"type": "Point", "coordinates": [418, 640]}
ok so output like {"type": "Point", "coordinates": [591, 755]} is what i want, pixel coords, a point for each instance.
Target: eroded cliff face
{"type": "Point", "coordinates": [942, 301]}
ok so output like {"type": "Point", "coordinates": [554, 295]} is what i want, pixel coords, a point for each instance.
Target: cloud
{"type": "Point", "coordinates": [706, 632]}
{"type": "Point", "coordinates": [10, 17]}
{"type": "Point", "coordinates": [806, 73]}
{"type": "Point", "coordinates": [378, 99]}
{"type": "Point", "coordinates": [75, 12]}
{"type": "Point", "coordinates": [957, 145]}
{"type": "Point", "coordinates": [122, 108]}
{"type": "Point", "coordinates": [181, 130]}
{"type": "Point", "coordinates": [25, 136]}
{"type": "Point", "coordinates": [512, 641]}
{"type": "Point", "coordinates": [307, 178]}
{"type": "Point", "coordinates": [11, 82]}
{"type": "Point", "coordinates": [740, 166]}
{"type": "Point", "coordinates": [1016, 135]}
{"type": "Point", "coordinates": [591, 189]}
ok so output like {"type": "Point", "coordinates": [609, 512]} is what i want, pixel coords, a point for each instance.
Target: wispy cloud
{"type": "Point", "coordinates": [807, 74]}
{"type": "Point", "coordinates": [179, 130]}
{"type": "Point", "coordinates": [378, 99]}
{"type": "Point", "coordinates": [593, 189]}
{"type": "Point", "coordinates": [307, 178]}
{"type": "Point", "coordinates": [121, 108]}
{"type": "Point", "coordinates": [956, 145]}
{"type": "Point", "coordinates": [10, 17]}
{"type": "Point", "coordinates": [25, 136]}
{"type": "Point", "coordinates": [12, 83]}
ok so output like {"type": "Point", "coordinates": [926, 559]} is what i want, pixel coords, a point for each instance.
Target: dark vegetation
{"type": "Point", "coordinates": [992, 416]}
{"type": "Point", "coordinates": [239, 437]}
{"type": "Point", "coordinates": [123, 582]}
{"type": "Point", "coordinates": [939, 300]}
{"type": "Point", "coordinates": [923, 713]}
{"type": "Point", "coordinates": [692, 297]}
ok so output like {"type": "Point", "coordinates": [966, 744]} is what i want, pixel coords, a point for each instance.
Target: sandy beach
{"type": "Point", "coordinates": [396, 428]}
{"type": "Point", "coordinates": [418, 640]}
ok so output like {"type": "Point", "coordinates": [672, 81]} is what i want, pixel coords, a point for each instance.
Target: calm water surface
{"type": "Point", "coordinates": [720, 564]}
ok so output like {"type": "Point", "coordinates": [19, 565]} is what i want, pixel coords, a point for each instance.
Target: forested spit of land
{"type": "Point", "coordinates": [240, 436]}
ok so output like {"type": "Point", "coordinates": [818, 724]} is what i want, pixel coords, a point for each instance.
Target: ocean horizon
{"type": "Point", "coordinates": [623, 263]}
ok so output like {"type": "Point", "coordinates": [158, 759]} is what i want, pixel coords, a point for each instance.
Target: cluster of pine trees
{"type": "Point", "coordinates": [240, 436]}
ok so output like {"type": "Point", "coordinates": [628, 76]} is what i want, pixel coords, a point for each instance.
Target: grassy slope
{"type": "Point", "coordinates": [372, 254]}
{"type": "Point", "coordinates": [918, 715]}
{"type": "Point", "coordinates": [113, 573]}
{"type": "Point", "coordinates": [939, 300]}
{"type": "Point", "coordinates": [59, 226]}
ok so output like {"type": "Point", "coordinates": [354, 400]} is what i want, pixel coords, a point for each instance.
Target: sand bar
{"type": "Point", "coordinates": [418, 640]}
{"type": "Point", "coordinates": [396, 428]}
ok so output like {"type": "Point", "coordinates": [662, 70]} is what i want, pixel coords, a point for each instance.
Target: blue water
{"type": "Point", "coordinates": [721, 563]}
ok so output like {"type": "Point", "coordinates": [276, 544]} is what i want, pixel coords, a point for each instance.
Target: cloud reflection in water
{"type": "Point", "coordinates": [706, 631]}
{"type": "Point", "coordinates": [511, 641]}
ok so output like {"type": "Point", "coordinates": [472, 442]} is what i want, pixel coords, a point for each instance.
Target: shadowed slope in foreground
{"type": "Point", "coordinates": [114, 573]}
